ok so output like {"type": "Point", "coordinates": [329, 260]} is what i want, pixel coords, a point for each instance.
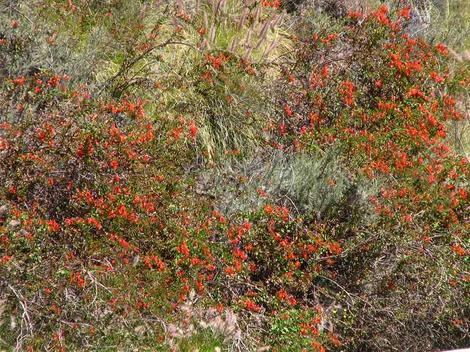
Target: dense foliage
{"type": "Point", "coordinates": [225, 175]}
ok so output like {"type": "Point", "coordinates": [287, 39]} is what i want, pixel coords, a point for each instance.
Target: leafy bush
{"type": "Point", "coordinates": [385, 97]}
{"type": "Point", "coordinates": [83, 193]}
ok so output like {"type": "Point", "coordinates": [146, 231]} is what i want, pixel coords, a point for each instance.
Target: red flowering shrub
{"type": "Point", "coordinates": [90, 197]}
{"type": "Point", "coordinates": [384, 98]}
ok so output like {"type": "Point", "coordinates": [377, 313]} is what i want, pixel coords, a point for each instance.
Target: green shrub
{"type": "Point", "coordinates": [385, 98]}
{"type": "Point", "coordinates": [182, 189]}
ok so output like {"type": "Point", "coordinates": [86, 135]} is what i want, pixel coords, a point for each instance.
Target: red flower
{"type": "Point", "coordinates": [334, 339]}
{"type": "Point", "coordinates": [415, 93]}
{"type": "Point", "coordinates": [272, 3]}
{"type": "Point", "coordinates": [405, 12]}
{"type": "Point", "coordinates": [408, 218]}
{"type": "Point", "coordinates": [19, 81]}
{"type": "Point", "coordinates": [5, 259]}
{"type": "Point", "coordinates": [202, 31]}
{"type": "Point", "coordinates": [217, 61]}
{"type": "Point", "coordinates": [458, 249]}
{"type": "Point", "coordinates": [94, 222]}
{"type": "Point", "coordinates": [114, 164]}
{"type": "Point", "coordinates": [436, 78]}
{"type": "Point", "coordinates": [123, 243]}
{"type": "Point", "coordinates": [268, 209]}
{"type": "Point", "coordinates": [176, 132]}
{"type": "Point", "coordinates": [318, 346]}
{"type": "Point", "coordinates": [356, 15]}
{"type": "Point", "coordinates": [252, 306]}
{"type": "Point", "coordinates": [347, 90]}
{"type": "Point", "coordinates": [78, 280]}
{"type": "Point", "coordinates": [382, 15]}
{"type": "Point", "coordinates": [53, 226]}
{"type": "Point", "coordinates": [183, 249]}
{"type": "Point", "coordinates": [335, 248]}
{"type": "Point", "coordinates": [193, 130]}
{"type": "Point", "coordinates": [288, 110]}
{"type": "Point", "coordinates": [441, 48]}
